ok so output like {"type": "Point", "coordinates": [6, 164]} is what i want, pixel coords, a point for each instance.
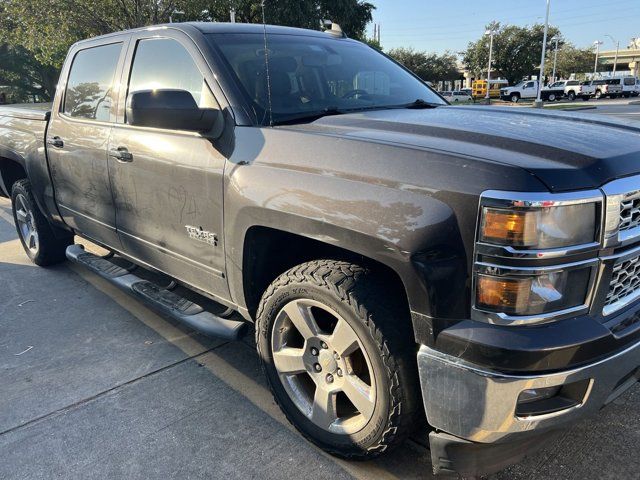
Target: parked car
{"type": "Point", "coordinates": [628, 86]}
{"type": "Point", "coordinates": [467, 91]}
{"type": "Point", "coordinates": [569, 87]}
{"type": "Point", "coordinates": [456, 96]}
{"type": "Point", "coordinates": [529, 90]}
{"type": "Point", "coordinates": [610, 87]}
{"type": "Point", "coordinates": [397, 255]}
{"type": "Point", "coordinates": [586, 90]}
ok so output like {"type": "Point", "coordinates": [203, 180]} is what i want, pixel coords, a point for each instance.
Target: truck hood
{"type": "Point", "coordinates": [565, 151]}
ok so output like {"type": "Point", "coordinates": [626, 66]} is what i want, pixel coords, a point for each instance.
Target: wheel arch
{"type": "Point", "coordinates": [12, 169]}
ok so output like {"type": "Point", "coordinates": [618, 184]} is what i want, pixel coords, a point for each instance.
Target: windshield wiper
{"type": "Point", "coordinates": [310, 117]}
{"type": "Point", "coordinates": [420, 103]}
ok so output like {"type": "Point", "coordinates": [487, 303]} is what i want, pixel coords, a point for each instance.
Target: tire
{"type": "Point", "coordinates": [515, 98]}
{"type": "Point", "coordinates": [598, 95]}
{"type": "Point", "coordinates": [552, 97]}
{"type": "Point", "coordinates": [571, 95]}
{"type": "Point", "coordinates": [340, 297]}
{"type": "Point", "coordinates": [37, 236]}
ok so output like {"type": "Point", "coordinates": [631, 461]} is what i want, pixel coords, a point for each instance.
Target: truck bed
{"type": "Point", "coordinates": [29, 111]}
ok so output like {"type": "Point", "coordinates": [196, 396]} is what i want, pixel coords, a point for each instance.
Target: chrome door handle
{"type": "Point", "coordinates": [55, 142]}
{"type": "Point", "coordinates": [121, 154]}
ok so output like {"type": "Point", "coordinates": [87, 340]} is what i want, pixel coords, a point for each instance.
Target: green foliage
{"type": "Point", "coordinates": [570, 60]}
{"type": "Point", "coordinates": [372, 43]}
{"type": "Point", "coordinates": [25, 76]}
{"type": "Point", "coordinates": [428, 66]}
{"type": "Point", "coordinates": [45, 29]}
{"type": "Point", "coordinates": [516, 51]}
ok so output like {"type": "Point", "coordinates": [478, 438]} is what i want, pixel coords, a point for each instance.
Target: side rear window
{"type": "Point", "coordinates": [89, 87]}
{"type": "Point", "coordinates": [163, 63]}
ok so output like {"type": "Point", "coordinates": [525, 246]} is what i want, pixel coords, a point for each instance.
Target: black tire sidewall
{"type": "Point", "coordinates": [341, 444]}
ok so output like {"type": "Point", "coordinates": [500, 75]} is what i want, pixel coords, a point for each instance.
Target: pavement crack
{"type": "Point", "coordinates": [108, 391]}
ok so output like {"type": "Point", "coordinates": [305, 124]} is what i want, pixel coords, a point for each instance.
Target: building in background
{"type": "Point", "coordinates": [628, 60]}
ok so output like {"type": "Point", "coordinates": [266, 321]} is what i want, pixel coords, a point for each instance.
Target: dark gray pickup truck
{"type": "Point", "coordinates": [398, 256]}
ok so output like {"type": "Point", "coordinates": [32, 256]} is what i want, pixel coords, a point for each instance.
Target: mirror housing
{"type": "Point", "coordinates": [170, 109]}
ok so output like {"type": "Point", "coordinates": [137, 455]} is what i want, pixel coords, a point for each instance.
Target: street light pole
{"type": "Point", "coordinates": [597, 43]}
{"type": "Point", "coordinates": [615, 60]}
{"type": "Point", "coordinates": [490, 33]}
{"type": "Point", "coordinates": [538, 102]}
{"type": "Point", "coordinates": [555, 59]}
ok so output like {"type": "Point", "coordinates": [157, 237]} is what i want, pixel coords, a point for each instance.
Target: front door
{"type": "Point", "coordinates": [168, 190]}
{"type": "Point", "coordinates": [77, 141]}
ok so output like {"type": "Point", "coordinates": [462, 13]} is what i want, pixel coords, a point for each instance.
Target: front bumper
{"type": "Point", "coordinates": [475, 405]}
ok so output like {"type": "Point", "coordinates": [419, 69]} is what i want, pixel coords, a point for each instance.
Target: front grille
{"type": "Point", "coordinates": [630, 212]}
{"type": "Point", "coordinates": [625, 281]}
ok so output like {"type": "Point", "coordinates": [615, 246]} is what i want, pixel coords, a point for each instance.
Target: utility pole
{"type": "Point", "coordinates": [597, 43]}
{"type": "Point", "coordinates": [615, 60]}
{"type": "Point", "coordinates": [491, 33]}
{"type": "Point", "coordinates": [538, 103]}
{"type": "Point", "coordinates": [555, 59]}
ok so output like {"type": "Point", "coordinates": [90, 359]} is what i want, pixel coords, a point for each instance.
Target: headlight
{"type": "Point", "coordinates": [539, 228]}
{"type": "Point", "coordinates": [536, 255]}
{"type": "Point", "coordinates": [532, 295]}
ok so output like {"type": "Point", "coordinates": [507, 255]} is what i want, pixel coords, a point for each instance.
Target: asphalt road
{"type": "Point", "coordinates": [95, 385]}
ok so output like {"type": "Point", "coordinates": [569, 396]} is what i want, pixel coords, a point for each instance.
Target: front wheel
{"type": "Point", "coordinates": [598, 95]}
{"type": "Point", "coordinates": [515, 98]}
{"type": "Point", "coordinates": [38, 238]}
{"type": "Point", "coordinates": [337, 351]}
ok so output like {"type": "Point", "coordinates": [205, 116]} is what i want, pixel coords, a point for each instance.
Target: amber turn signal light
{"type": "Point", "coordinates": [504, 294]}
{"type": "Point", "coordinates": [508, 227]}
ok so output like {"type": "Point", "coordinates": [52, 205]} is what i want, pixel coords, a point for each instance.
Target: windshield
{"type": "Point", "coordinates": [310, 75]}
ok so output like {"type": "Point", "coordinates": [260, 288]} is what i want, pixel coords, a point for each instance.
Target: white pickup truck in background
{"type": "Point", "coordinates": [611, 88]}
{"type": "Point", "coordinates": [528, 90]}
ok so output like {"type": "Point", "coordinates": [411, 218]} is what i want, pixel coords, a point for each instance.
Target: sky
{"type": "Point", "coordinates": [440, 25]}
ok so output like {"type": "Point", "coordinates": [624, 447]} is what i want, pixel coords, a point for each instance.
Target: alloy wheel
{"type": "Point", "coordinates": [26, 224]}
{"type": "Point", "coordinates": [323, 366]}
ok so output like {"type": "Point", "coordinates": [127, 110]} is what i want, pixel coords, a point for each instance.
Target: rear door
{"type": "Point", "coordinates": [77, 139]}
{"type": "Point", "coordinates": [169, 193]}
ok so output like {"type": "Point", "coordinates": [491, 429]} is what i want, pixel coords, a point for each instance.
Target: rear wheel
{"type": "Point", "coordinates": [572, 96]}
{"type": "Point", "coordinates": [37, 236]}
{"type": "Point", "coordinates": [552, 97]}
{"type": "Point", "coordinates": [339, 356]}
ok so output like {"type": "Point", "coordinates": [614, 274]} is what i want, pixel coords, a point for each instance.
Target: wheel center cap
{"type": "Point", "coordinates": [327, 362]}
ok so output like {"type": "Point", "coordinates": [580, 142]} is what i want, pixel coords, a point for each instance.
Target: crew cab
{"type": "Point", "coordinates": [569, 87]}
{"type": "Point", "coordinates": [529, 90]}
{"type": "Point", "coordinates": [611, 88]}
{"type": "Point", "coordinates": [399, 258]}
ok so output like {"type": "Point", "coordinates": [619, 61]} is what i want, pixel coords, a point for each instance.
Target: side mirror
{"type": "Point", "coordinates": [170, 109]}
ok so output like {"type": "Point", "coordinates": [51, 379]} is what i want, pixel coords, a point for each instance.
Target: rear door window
{"type": "Point", "coordinates": [89, 92]}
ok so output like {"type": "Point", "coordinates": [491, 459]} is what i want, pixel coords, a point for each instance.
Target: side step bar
{"type": "Point", "coordinates": [165, 301]}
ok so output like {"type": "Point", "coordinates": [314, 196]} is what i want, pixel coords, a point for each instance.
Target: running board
{"type": "Point", "coordinates": [165, 301]}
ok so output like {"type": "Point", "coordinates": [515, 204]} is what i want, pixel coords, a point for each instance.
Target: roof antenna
{"type": "Point", "coordinates": [266, 63]}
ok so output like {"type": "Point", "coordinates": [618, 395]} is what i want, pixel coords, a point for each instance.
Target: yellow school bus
{"type": "Point", "coordinates": [479, 88]}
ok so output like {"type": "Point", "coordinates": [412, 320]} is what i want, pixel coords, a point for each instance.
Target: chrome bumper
{"type": "Point", "coordinates": [479, 405]}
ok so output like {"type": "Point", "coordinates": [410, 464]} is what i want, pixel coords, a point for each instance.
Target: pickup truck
{"type": "Point", "coordinates": [406, 264]}
{"type": "Point", "coordinates": [573, 89]}
{"type": "Point", "coordinates": [528, 90]}
{"type": "Point", "coordinates": [607, 88]}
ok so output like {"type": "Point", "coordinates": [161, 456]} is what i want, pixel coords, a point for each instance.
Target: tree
{"type": "Point", "coordinates": [570, 60]}
{"type": "Point", "coordinates": [428, 66]}
{"type": "Point", "coordinates": [25, 76]}
{"type": "Point", "coordinates": [47, 28]}
{"type": "Point", "coordinates": [516, 51]}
